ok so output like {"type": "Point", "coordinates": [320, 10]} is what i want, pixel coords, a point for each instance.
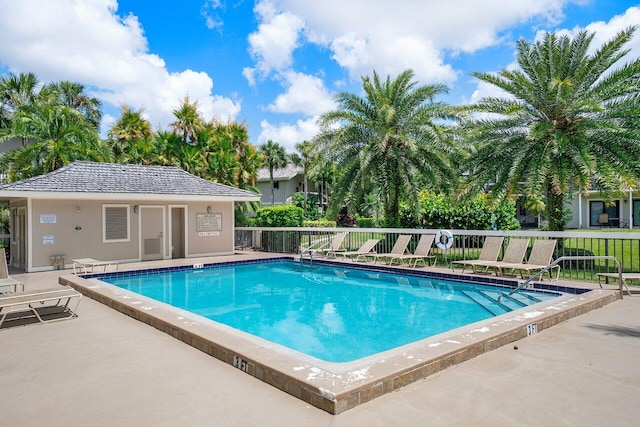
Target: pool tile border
{"type": "Point", "coordinates": [337, 387]}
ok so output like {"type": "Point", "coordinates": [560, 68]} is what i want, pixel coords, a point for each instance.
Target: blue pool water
{"type": "Point", "coordinates": [332, 313]}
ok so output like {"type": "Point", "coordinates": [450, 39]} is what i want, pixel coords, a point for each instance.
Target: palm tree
{"type": "Point", "coordinates": [388, 138]}
{"type": "Point", "coordinates": [568, 122]}
{"type": "Point", "coordinates": [188, 121]}
{"type": "Point", "coordinates": [273, 157]}
{"type": "Point", "coordinates": [17, 93]}
{"type": "Point", "coordinates": [130, 128]}
{"type": "Point", "coordinates": [73, 95]}
{"type": "Point", "coordinates": [306, 158]}
{"type": "Point", "coordinates": [58, 136]}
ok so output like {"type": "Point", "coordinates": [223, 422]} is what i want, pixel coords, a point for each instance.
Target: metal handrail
{"type": "Point", "coordinates": [571, 258]}
{"type": "Point", "coordinates": [313, 251]}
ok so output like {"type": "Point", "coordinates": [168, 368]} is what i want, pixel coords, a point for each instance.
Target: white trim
{"type": "Point", "coordinates": [184, 231]}
{"type": "Point", "coordinates": [211, 254]}
{"type": "Point", "coordinates": [104, 222]}
{"type": "Point", "coordinates": [28, 262]}
{"type": "Point", "coordinates": [55, 195]}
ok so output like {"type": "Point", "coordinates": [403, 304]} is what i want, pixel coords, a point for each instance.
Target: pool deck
{"type": "Point", "coordinates": [106, 369]}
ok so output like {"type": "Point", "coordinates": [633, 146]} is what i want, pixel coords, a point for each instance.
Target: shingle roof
{"type": "Point", "coordinates": [286, 173]}
{"type": "Point", "coordinates": [91, 177]}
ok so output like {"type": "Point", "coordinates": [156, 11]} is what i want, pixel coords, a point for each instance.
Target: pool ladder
{"type": "Point", "coordinates": [569, 258]}
{"type": "Point", "coordinates": [311, 251]}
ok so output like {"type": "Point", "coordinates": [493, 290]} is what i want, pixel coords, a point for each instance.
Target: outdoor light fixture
{"type": "Point", "coordinates": [208, 209]}
{"type": "Point", "coordinates": [136, 209]}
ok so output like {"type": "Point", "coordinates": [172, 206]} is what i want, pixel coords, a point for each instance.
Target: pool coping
{"type": "Point", "coordinates": [337, 387]}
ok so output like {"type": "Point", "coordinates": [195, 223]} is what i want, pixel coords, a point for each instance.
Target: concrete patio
{"type": "Point", "coordinates": [106, 369]}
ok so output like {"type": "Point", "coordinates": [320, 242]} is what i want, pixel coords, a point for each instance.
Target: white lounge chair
{"type": "Point", "coordinates": [490, 251]}
{"type": "Point", "coordinates": [399, 248]}
{"type": "Point", "coordinates": [540, 257]}
{"type": "Point", "coordinates": [5, 280]}
{"type": "Point", "coordinates": [421, 252]}
{"type": "Point", "coordinates": [324, 248]}
{"type": "Point", "coordinates": [88, 265]}
{"type": "Point", "coordinates": [367, 248]}
{"type": "Point", "coordinates": [625, 278]}
{"type": "Point", "coordinates": [38, 303]}
{"type": "Point", "coordinates": [514, 254]}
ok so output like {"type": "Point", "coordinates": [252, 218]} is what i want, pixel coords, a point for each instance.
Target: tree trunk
{"type": "Point", "coordinates": [271, 183]}
{"type": "Point", "coordinates": [555, 210]}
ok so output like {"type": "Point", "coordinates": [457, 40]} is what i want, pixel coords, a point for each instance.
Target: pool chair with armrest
{"type": "Point", "coordinates": [367, 248]}
{"type": "Point", "coordinates": [7, 281]}
{"type": "Point", "coordinates": [490, 251]}
{"type": "Point", "coordinates": [420, 254]}
{"type": "Point", "coordinates": [626, 277]}
{"type": "Point", "coordinates": [514, 254]}
{"type": "Point", "coordinates": [335, 245]}
{"type": "Point", "coordinates": [540, 258]}
{"type": "Point", "coordinates": [46, 305]}
{"type": "Point", "coordinates": [399, 248]}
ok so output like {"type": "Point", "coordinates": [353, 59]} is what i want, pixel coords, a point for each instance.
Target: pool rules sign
{"type": "Point", "coordinates": [208, 224]}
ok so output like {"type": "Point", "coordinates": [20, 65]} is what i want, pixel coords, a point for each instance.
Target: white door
{"type": "Point", "coordinates": [151, 232]}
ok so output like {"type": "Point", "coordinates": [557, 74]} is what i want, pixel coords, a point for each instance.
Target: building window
{"type": "Point", "coordinates": [601, 215]}
{"type": "Point", "coordinates": [115, 223]}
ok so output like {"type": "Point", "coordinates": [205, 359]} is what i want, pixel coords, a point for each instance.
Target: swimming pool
{"type": "Point", "coordinates": [337, 386]}
{"type": "Point", "coordinates": [333, 313]}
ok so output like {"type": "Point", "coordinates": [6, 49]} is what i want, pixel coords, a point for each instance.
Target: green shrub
{"type": "Point", "coordinates": [311, 211]}
{"type": "Point", "coordinates": [478, 213]}
{"type": "Point", "coordinates": [366, 223]}
{"type": "Point", "coordinates": [319, 223]}
{"type": "Point", "coordinates": [279, 216]}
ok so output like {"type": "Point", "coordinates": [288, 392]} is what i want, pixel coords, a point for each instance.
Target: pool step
{"type": "Point", "coordinates": [489, 304]}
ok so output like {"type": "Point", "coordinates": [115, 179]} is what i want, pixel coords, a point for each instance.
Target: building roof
{"type": "Point", "coordinates": [111, 180]}
{"type": "Point", "coordinates": [283, 174]}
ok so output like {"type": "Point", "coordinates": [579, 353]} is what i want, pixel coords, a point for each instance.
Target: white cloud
{"type": "Point", "coordinates": [288, 135]}
{"type": "Point", "coordinates": [272, 45]}
{"type": "Point", "coordinates": [389, 37]}
{"type": "Point", "coordinates": [604, 31]}
{"type": "Point", "coordinates": [87, 42]}
{"type": "Point", "coordinates": [210, 15]}
{"type": "Point", "coordinates": [305, 94]}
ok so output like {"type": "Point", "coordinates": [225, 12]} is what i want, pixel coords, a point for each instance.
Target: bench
{"type": "Point", "coordinates": [33, 302]}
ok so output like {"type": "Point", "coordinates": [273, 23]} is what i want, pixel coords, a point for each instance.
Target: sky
{"type": "Point", "coordinates": [276, 65]}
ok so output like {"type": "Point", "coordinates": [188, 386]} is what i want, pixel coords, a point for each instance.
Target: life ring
{"type": "Point", "coordinates": [444, 239]}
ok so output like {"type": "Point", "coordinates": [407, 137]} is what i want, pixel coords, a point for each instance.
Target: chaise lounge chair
{"type": "Point", "coordinates": [39, 303]}
{"type": "Point", "coordinates": [88, 265]}
{"type": "Point", "coordinates": [421, 253]}
{"type": "Point", "coordinates": [367, 248]}
{"type": "Point", "coordinates": [490, 251]}
{"type": "Point", "coordinates": [5, 280]}
{"type": "Point", "coordinates": [514, 254]}
{"type": "Point", "coordinates": [335, 245]}
{"type": "Point", "coordinates": [625, 277]}
{"type": "Point", "coordinates": [540, 257]}
{"type": "Point", "coordinates": [399, 248]}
